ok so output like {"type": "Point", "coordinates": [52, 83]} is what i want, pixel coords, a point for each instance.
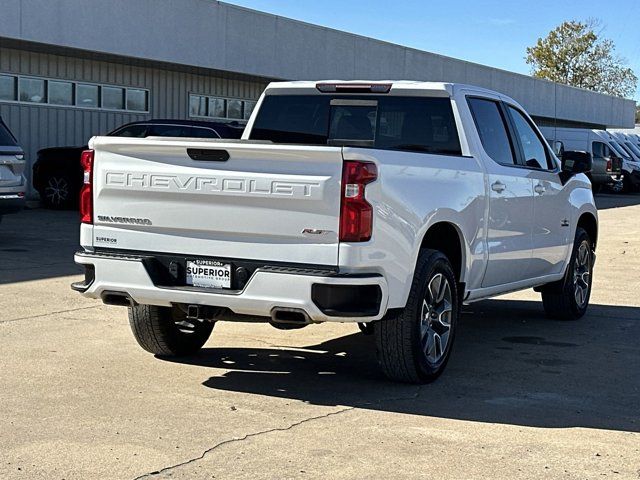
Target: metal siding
{"type": "Point", "coordinates": [40, 126]}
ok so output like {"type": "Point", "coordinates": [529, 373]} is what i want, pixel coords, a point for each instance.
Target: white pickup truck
{"type": "Point", "coordinates": [389, 204]}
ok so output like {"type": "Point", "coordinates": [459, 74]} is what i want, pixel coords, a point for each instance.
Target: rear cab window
{"type": "Point", "coordinates": [416, 124]}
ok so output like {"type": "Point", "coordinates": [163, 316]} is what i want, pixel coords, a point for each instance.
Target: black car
{"type": "Point", "coordinates": [57, 174]}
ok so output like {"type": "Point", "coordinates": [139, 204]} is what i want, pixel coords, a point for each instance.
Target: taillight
{"type": "Point", "coordinates": [86, 193]}
{"type": "Point", "coordinates": [609, 165]}
{"type": "Point", "coordinates": [356, 214]}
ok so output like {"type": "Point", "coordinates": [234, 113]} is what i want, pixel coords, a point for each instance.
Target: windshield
{"type": "Point", "coordinates": [419, 124]}
{"type": "Point", "coordinates": [619, 150]}
{"type": "Point", "coordinates": [633, 148]}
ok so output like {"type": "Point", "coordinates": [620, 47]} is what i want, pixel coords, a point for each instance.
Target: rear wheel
{"type": "Point", "coordinates": [414, 345]}
{"type": "Point", "coordinates": [58, 192]}
{"type": "Point", "coordinates": [166, 331]}
{"type": "Point", "coordinates": [568, 299]}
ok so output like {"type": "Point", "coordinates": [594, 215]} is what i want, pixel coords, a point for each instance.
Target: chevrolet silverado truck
{"type": "Point", "coordinates": [387, 204]}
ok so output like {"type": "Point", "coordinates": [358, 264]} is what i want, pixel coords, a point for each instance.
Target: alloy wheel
{"type": "Point", "coordinates": [435, 318]}
{"type": "Point", "coordinates": [582, 274]}
{"type": "Point", "coordinates": [57, 190]}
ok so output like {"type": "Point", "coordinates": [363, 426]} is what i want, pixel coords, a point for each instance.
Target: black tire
{"type": "Point", "coordinates": [59, 192]}
{"type": "Point", "coordinates": [165, 331]}
{"type": "Point", "coordinates": [399, 338]}
{"type": "Point", "coordinates": [561, 300]}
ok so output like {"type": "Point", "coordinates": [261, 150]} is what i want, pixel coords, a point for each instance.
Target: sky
{"type": "Point", "coordinates": [490, 32]}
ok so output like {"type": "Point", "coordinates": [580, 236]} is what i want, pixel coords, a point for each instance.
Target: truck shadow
{"type": "Point", "coordinates": [38, 244]}
{"type": "Point", "coordinates": [510, 365]}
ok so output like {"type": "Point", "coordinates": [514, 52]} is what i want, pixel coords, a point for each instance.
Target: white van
{"type": "Point", "coordinates": [607, 161]}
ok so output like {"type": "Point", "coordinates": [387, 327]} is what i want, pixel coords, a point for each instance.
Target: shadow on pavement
{"type": "Point", "coordinates": [37, 244]}
{"type": "Point", "coordinates": [615, 200]}
{"type": "Point", "coordinates": [510, 365]}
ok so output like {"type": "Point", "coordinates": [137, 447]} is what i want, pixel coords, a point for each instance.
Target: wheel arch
{"type": "Point", "coordinates": [589, 223]}
{"type": "Point", "coordinates": [447, 238]}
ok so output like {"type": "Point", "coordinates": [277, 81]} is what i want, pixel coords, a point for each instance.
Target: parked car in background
{"type": "Point", "coordinates": [57, 173]}
{"type": "Point", "coordinates": [12, 180]}
{"type": "Point", "coordinates": [607, 162]}
{"type": "Point", "coordinates": [630, 161]}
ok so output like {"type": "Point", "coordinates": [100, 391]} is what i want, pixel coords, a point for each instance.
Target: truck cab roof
{"type": "Point", "coordinates": [391, 87]}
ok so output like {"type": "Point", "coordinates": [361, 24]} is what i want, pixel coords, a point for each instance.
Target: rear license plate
{"type": "Point", "coordinates": [208, 274]}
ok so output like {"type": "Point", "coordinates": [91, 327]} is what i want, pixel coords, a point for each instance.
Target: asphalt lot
{"type": "Point", "coordinates": [523, 397]}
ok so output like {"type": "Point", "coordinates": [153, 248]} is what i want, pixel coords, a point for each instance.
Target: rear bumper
{"type": "Point", "coordinates": [324, 298]}
{"type": "Point", "coordinates": [11, 203]}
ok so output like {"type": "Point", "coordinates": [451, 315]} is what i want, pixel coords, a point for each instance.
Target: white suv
{"type": "Point", "coordinates": [12, 180]}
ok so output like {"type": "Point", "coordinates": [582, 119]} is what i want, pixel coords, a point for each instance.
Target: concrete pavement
{"type": "Point", "coordinates": [523, 397]}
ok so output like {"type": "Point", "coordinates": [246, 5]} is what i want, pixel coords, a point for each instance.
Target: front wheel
{"type": "Point", "coordinates": [166, 331]}
{"type": "Point", "coordinates": [568, 299]}
{"type": "Point", "coordinates": [414, 345]}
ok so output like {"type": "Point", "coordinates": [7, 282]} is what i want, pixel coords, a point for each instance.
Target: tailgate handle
{"type": "Point", "coordinates": [208, 155]}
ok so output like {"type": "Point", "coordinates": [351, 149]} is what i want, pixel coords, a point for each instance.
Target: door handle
{"type": "Point", "coordinates": [498, 186]}
{"type": "Point", "coordinates": [539, 189]}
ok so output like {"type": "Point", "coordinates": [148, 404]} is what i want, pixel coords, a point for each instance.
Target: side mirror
{"type": "Point", "coordinates": [574, 163]}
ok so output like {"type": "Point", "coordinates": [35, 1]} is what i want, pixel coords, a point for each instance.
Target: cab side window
{"type": "Point", "coordinates": [170, 131]}
{"type": "Point", "coordinates": [492, 130]}
{"type": "Point", "coordinates": [200, 132]}
{"type": "Point", "coordinates": [533, 148]}
{"type": "Point", "coordinates": [137, 131]}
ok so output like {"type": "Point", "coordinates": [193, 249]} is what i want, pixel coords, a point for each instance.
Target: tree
{"type": "Point", "coordinates": [574, 54]}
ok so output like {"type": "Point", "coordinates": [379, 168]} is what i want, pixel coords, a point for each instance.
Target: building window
{"type": "Point", "coordinates": [60, 93]}
{"type": "Point", "coordinates": [217, 107]}
{"type": "Point", "coordinates": [16, 88]}
{"type": "Point", "coordinates": [113, 98]}
{"type": "Point", "coordinates": [87, 95]}
{"type": "Point", "coordinates": [235, 109]}
{"type": "Point", "coordinates": [248, 109]}
{"type": "Point", "coordinates": [220, 107]}
{"type": "Point", "coordinates": [137, 100]}
{"type": "Point", "coordinates": [8, 90]}
{"type": "Point", "coordinates": [32, 90]}
{"type": "Point", "coordinates": [197, 106]}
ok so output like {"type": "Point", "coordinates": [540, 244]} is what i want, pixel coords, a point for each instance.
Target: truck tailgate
{"type": "Point", "coordinates": [265, 202]}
